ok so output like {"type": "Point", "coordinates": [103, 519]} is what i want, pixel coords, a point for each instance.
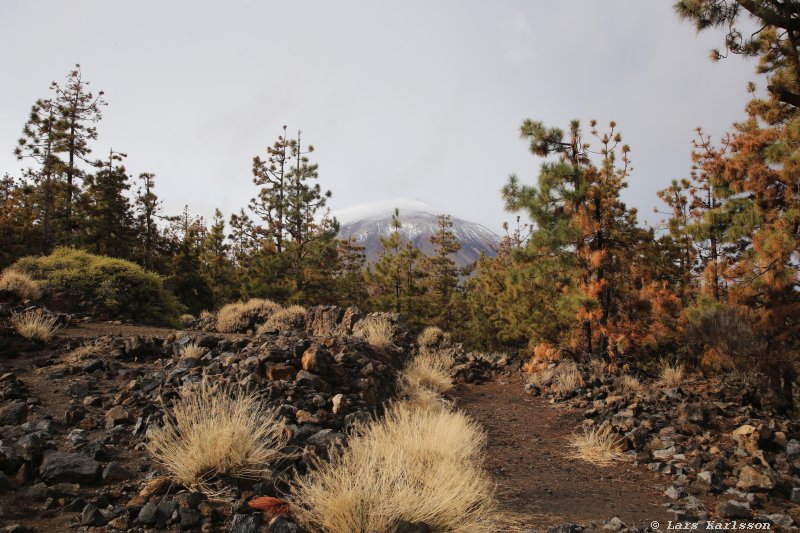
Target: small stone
{"type": "Point", "coordinates": [733, 509]}
{"type": "Point", "coordinates": [114, 472]}
{"type": "Point", "coordinates": [117, 415]}
{"type": "Point", "coordinates": [156, 486]}
{"type": "Point", "coordinates": [13, 414]}
{"type": "Point", "coordinates": [91, 516]}
{"type": "Point", "coordinates": [280, 525]}
{"type": "Point", "coordinates": [751, 479]}
{"type": "Point", "coordinates": [747, 437]}
{"type": "Point", "coordinates": [147, 515]}
{"type": "Point", "coordinates": [189, 517]}
{"type": "Point", "coordinates": [674, 493]}
{"type": "Point", "coordinates": [245, 523]}
{"type": "Point", "coordinates": [339, 402]}
{"type": "Point", "coordinates": [280, 371]}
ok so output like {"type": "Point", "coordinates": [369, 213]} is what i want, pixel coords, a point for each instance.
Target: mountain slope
{"type": "Point", "coordinates": [367, 224]}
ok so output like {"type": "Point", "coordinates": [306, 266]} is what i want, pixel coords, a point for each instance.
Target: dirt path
{"type": "Point", "coordinates": [538, 484]}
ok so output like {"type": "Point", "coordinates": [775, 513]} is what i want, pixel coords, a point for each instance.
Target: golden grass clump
{"type": "Point", "coordinates": [628, 383]}
{"type": "Point", "coordinates": [417, 465]}
{"type": "Point", "coordinates": [433, 337]}
{"type": "Point", "coordinates": [20, 285]}
{"type": "Point", "coordinates": [599, 446]}
{"type": "Point", "coordinates": [238, 317]}
{"type": "Point", "coordinates": [192, 351]}
{"type": "Point", "coordinates": [293, 317]}
{"type": "Point", "coordinates": [377, 331]}
{"type": "Point", "coordinates": [671, 375]}
{"type": "Point", "coordinates": [216, 432]}
{"type": "Point", "coordinates": [35, 325]}
{"type": "Point", "coordinates": [567, 378]}
{"type": "Point", "coordinates": [426, 377]}
{"type": "Point", "coordinates": [187, 320]}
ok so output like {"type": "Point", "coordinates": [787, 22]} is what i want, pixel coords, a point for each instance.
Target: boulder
{"type": "Point", "coordinates": [70, 467]}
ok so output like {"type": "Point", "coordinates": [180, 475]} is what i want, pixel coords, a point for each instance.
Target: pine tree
{"type": "Point", "coordinates": [39, 144]}
{"type": "Point", "coordinates": [107, 218]}
{"type": "Point", "coordinates": [148, 212]}
{"type": "Point", "coordinates": [350, 278]}
{"type": "Point", "coordinates": [443, 272]}
{"type": "Point", "coordinates": [578, 214]}
{"type": "Point", "coordinates": [187, 281]}
{"type": "Point", "coordinates": [272, 177]}
{"type": "Point", "coordinates": [217, 265]}
{"type": "Point", "coordinates": [76, 112]}
{"type": "Point", "coordinates": [776, 41]}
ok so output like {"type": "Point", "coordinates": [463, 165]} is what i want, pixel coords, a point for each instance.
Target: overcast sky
{"type": "Point", "coordinates": [413, 99]}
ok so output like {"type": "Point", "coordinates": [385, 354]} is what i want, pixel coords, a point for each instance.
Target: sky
{"type": "Point", "coordinates": [414, 99]}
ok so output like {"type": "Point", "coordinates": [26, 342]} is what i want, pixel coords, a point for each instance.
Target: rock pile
{"type": "Point", "coordinates": [727, 457]}
{"type": "Point", "coordinates": [89, 462]}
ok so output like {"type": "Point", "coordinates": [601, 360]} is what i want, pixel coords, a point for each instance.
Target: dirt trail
{"type": "Point", "coordinates": [538, 484]}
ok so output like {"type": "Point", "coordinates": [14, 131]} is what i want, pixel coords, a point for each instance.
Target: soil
{"type": "Point", "coordinates": [538, 483]}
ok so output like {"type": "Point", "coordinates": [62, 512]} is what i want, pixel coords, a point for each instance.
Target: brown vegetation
{"type": "Point", "coordinates": [214, 432]}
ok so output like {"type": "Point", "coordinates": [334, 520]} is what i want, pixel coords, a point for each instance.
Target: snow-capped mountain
{"type": "Point", "coordinates": [368, 223]}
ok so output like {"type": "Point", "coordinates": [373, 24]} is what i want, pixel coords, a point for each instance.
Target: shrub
{"type": "Point", "coordinates": [599, 446]}
{"type": "Point", "coordinates": [724, 334]}
{"type": "Point", "coordinates": [671, 376]}
{"type": "Point", "coordinates": [542, 378]}
{"type": "Point", "coordinates": [293, 317]}
{"type": "Point", "coordinates": [35, 325]}
{"type": "Point", "coordinates": [567, 378]}
{"type": "Point", "coordinates": [239, 317]}
{"type": "Point", "coordinates": [192, 351]}
{"type": "Point", "coordinates": [377, 331]}
{"type": "Point", "coordinates": [215, 433]}
{"type": "Point", "coordinates": [427, 372]}
{"type": "Point", "coordinates": [628, 383]}
{"type": "Point", "coordinates": [433, 337]}
{"type": "Point", "coordinates": [413, 465]}
{"type": "Point", "coordinates": [104, 285]}
{"type": "Point", "coordinates": [543, 355]}
{"type": "Point", "coordinates": [19, 284]}
{"type": "Point", "coordinates": [187, 320]}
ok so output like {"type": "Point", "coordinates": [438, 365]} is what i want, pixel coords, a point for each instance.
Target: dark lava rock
{"type": "Point", "coordinates": [71, 467]}
{"type": "Point", "coordinates": [245, 523]}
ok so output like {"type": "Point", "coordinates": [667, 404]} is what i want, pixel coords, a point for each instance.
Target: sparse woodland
{"type": "Point", "coordinates": [297, 344]}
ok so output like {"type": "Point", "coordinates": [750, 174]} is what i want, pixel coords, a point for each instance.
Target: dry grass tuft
{"type": "Point", "coordinates": [413, 465]}
{"type": "Point", "coordinates": [239, 317]}
{"type": "Point", "coordinates": [293, 317]}
{"type": "Point", "coordinates": [87, 351]}
{"type": "Point", "coordinates": [433, 337]}
{"type": "Point", "coordinates": [599, 368]}
{"type": "Point", "coordinates": [215, 433]}
{"type": "Point", "coordinates": [599, 446]}
{"type": "Point", "coordinates": [35, 325]}
{"type": "Point", "coordinates": [20, 285]}
{"type": "Point", "coordinates": [426, 377]}
{"type": "Point", "coordinates": [187, 320]}
{"type": "Point", "coordinates": [192, 351]}
{"type": "Point", "coordinates": [671, 376]}
{"type": "Point", "coordinates": [567, 378]}
{"type": "Point", "coordinates": [378, 332]}
{"type": "Point", "coordinates": [627, 384]}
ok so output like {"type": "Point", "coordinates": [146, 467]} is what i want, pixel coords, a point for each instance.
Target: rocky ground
{"type": "Point", "coordinates": [722, 452]}
{"type": "Point", "coordinates": [74, 415]}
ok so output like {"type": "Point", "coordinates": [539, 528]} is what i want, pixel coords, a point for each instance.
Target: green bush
{"type": "Point", "coordinates": [103, 285]}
